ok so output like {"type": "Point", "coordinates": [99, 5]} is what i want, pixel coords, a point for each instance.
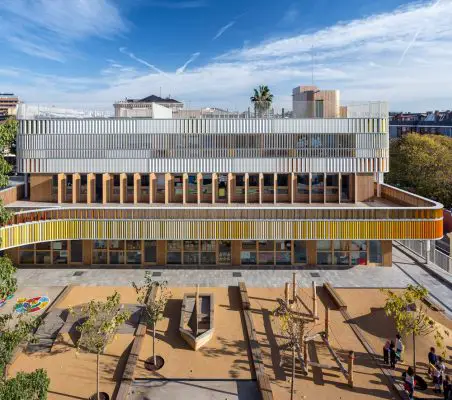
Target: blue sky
{"type": "Point", "coordinates": [89, 53]}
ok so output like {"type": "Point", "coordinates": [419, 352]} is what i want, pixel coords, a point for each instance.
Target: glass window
{"type": "Point", "coordinates": [116, 180]}
{"type": "Point", "coordinates": [27, 257]}
{"type": "Point", "coordinates": [375, 252]}
{"type": "Point", "coordinates": [240, 180]}
{"type": "Point", "coordinates": [208, 258]}
{"type": "Point", "coordinates": [43, 257]}
{"type": "Point", "coordinates": [145, 181]}
{"type": "Point", "coordinates": [100, 244]}
{"type": "Point", "coordinates": [360, 245]}
{"type": "Point", "coordinates": [283, 180]}
{"type": "Point", "coordinates": [300, 254]}
{"type": "Point", "coordinates": [248, 257]}
{"type": "Point", "coordinates": [133, 244]}
{"type": "Point", "coordinates": [359, 257]}
{"type": "Point", "coordinates": [249, 245]}
{"type": "Point", "coordinates": [150, 251]}
{"type": "Point", "coordinates": [341, 245]}
{"type": "Point", "coordinates": [224, 252]}
{"type": "Point", "coordinates": [266, 245]}
{"type": "Point", "coordinates": [191, 258]}
{"type": "Point", "coordinates": [266, 258]}
{"type": "Point", "coordinates": [43, 246]}
{"type": "Point", "coordinates": [253, 180]}
{"type": "Point", "coordinates": [208, 245]}
{"type": "Point", "coordinates": [60, 256]}
{"type": "Point", "coordinates": [283, 258]}
{"type": "Point", "coordinates": [174, 258]}
{"type": "Point", "coordinates": [116, 244]}
{"type": "Point", "coordinates": [191, 245]}
{"type": "Point", "coordinates": [323, 245]}
{"type": "Point", "coordinates": [77, 251]}
{"type": "Point", "coordinates": [59, 245]}
{"type": "Point", "coordinates": [116, 257]}
{"type": "Point", "coordinates": [283, 245]}
{"type": "Point", "coordinates": [174, 245]}
{"type": "Point", "coordinates": [134, 257]}
{"type": "Point", "coordinates": [317, 183]}
{"type": "Point", "coordinates": [100, 257]}
{"type": "Point", "coordinates": [303, 184]}
{"type": "Point", "coordinates": [324, 258]}
{"type": "Point", "coordinates": [332, 180]}
{"type": "Point", "coordinates": [341, 258]}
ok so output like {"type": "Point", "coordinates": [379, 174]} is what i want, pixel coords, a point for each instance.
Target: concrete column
{"type": "Point", "coordinates": [427, 251]}
{"type": "Point", "coordinates": [355, 188]}
{"type": "Point", "coordinates": [168, 187]}
{"type": "Point", "coordinates": [136, 188]}
{"type": "Point", "coordinates": [247, 184]}
{"type": "Point", "coordinates": [339, 187]}
{"type": "Point", "coordinates": [235, 249]}
{"type": "Point", "coordinates": [152, 188]}
{"type": "Point", "coordinates": [275, 188]}
{"type": "Point", "coordinates": [76, 188]}
{"type": "Point", "coordinates": [61, 188]}
{"type": "Point", "coordinates": [26, 186]}
{"type": "Point", "coordinates": [261, 187]}
{"type": "Point", "coordinates": [310, 188]}
{"type": "Point", "coordinates": [184, 188]}
{"type": "Point", "coordinates": [106, 189]}
{"type": "Point", "coordinates": [449, 235]}
{"type": "Point", "coordinates": [91, 188]}
{"type": "Point", "coordinates": [122, 188]}
{"type": "Point", "coordinates": [231, 186]}
{"type": "Point", "coordinates": [198, 187]}
{"type": "Point", "coordinates": [214, 187]}
{"type": "Point", "coordinates": [292, 187]}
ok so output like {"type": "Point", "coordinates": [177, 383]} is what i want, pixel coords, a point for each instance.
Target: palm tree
{"type": "Point", "coordinates": [262, 100]}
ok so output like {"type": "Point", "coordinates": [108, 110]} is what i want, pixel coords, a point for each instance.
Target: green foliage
{"type": "Point", "coordinates": [8, 281]}
{"type": "Point", "coordinates": [102, 320]}
{"type": "Point", "coordinates": [154, 308]}
{"type": "Point", "coordinates": [262, 100]}
{"type": "Point", "coordinates": [26, 386]}
{"type": "Point", "coordinates": [422, 164]}
{"type": "Point", "coordinates": [410, 314]}
{"type": "Point", "coordinates": [12, 335]}
{"type": "Point", "coordinates": [8, 132]}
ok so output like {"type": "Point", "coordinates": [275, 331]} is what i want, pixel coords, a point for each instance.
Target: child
{"type": "Point", "coordinates": [392, 355]}
{"type": "Point", "coordinates": [441, 368]}
{"type": "Point", "coordinates": [409, 383]}
{"type": "Point", "coordinates": [386, 352]}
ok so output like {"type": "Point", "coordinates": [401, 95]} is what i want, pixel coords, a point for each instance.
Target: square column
{"type": "Point", "coordinates": [184, 188]}
{"type": "Point", "coordinates": [76, 188]}
{"type": "Point", "coordinates": [91, 188]}
{"type": "Point", "coordinates": [247, 184]}
{"type": "Point", "coordinates": [261, 187]}
{"type": "Point", "coordinates": [61, 188]}
{"type": "Point", "coordinates": [122, 188]}
{"type": "Point", "coordinates": [275, 187]}
{"type": "Point", "coordinates": [230, 187]}
{"type": "Point", "coordinates": [136, 188]}
{"type": "Point", "coordinates": [106, 189]}
{"type": "Point", "coordinates": [214, 187]}
{"type": "Point", "coordinates": [310, 188]}
{"type": "Point", "coordinates": [292, 187]}
{"type": "Point", "coordinates": [152, 188]}
{"type": "Point", "coordinates": [198, 186]}
{"type": "Point", "coordinates": [168, 187]}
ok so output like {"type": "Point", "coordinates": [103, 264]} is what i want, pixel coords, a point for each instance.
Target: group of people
{"type": "Point", "coordinates": [392, 353]}
{"type": "Point", "coordinates": [437, 370]}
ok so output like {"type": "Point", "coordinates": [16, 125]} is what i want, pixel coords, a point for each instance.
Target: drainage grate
{"type": "Point", "coordinates": [78, 273]}
{"type": "Point", "coordinates": [156, 274]}
{"type": "Point", "coordinates": [315, 275]}
{"type": "Point", "coordinates": [236, 274]}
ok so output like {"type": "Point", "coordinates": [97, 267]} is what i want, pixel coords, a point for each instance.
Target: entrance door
{"type": "Point", "coordinates": [76, 251]}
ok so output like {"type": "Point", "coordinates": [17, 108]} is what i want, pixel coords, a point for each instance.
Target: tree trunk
{"type": "Point", "coordinates": [97, 380]}
{"type": "Point", "coordinates": [414, 353]}
{"type": "Point", "coordinates": [293, 373]}
{"type": "Point", "coordinates": [153, 345]}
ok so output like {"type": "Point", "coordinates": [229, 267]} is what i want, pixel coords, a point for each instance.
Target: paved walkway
{"type": "Point", "coordinates": [405, 271]}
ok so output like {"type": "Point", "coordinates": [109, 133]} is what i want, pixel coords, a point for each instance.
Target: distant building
{"type": "Point", "coordinates": [145, 107]}
{"type": "Point", "coordinates": [310, 102]}
{"type": "Point", "coordinates": [436, 123]}
{"type": "Point", "coordinates": [8, 103]}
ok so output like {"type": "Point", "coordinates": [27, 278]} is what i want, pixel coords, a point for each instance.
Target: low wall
{"type": "Point", "coordinates": [447, 221]}
{"type": "Point", "coordinates": [12, 194]}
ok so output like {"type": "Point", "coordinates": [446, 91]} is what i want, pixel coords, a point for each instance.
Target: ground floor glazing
{"type": "Point", "coordinates": [117, 253]}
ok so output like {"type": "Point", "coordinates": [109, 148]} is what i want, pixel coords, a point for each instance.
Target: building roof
{"type": "Point", "coordinates": [154, 99]}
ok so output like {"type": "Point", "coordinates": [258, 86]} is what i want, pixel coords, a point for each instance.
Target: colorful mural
{"type": "Point", "coordinates": [34, 304]}
{"type": "Point", "coordinates": [3, 301]}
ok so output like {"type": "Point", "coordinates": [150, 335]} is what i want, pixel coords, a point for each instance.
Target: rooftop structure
{"type": "Point", "coordinates": [211, 191]}
{"type": "Point", "coordinates": [144, 107]}
{"type": "Point", "coordinates": [8, 103]}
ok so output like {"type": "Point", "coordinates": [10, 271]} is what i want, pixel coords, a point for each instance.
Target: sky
{"type": "Point", "coordinates": [90, 53]}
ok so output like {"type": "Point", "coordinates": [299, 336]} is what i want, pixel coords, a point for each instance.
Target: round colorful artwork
{"type": "Point", "coordinates": [34, 304]}
{"type": "Point", "coordinates": [3, 301]}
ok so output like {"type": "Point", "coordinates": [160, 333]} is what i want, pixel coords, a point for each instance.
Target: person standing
{"type": "Point", "coordinates": [386, 352]}
{"type": "Point", "coordinates": [432, 359]}
{"type": "Point", "coordinates": [392, 355]}
{"type": "Point", "coordinates": [409, 383]}
{"type": "Point", "coordinates": [399, 347]}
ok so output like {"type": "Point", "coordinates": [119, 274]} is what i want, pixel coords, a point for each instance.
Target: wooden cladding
{"type": "Point", "coordinates": [12, 194]}
{"type": "Point", "coordinates": [43, 231]}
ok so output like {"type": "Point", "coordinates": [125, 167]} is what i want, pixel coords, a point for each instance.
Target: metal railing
{"type": "Point", "coordinates": [435, 256]}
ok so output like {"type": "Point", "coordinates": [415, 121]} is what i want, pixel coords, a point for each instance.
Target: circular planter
{"type": "Point", "coordinates": [102, 396]}
{"type": "Point", "coordinates": [149, 363]}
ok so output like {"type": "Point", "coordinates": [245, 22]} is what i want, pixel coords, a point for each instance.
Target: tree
{"type": "Point", "coordinates": [293, 330]}
{"type": "Point", "coordinates": [8, 131]}
{"type": "Point", "coordinates": [262, 100]}
{"type": "Point", "coordinates": [410, 316]}
{"type": "Point", "coordinates": [153, 307]}
{"type": "Point", "coordinates": [26, 386]}
{"type": "Point", "coordinates": [422, 164]}
{"type": "Point", "coordinates": [102, 319]}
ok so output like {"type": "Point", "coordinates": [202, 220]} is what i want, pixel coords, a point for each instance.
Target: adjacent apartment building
{"type": "Point", "coordinates": [241, 192]}
{"type": "Point", "coordinates": [8, 103]}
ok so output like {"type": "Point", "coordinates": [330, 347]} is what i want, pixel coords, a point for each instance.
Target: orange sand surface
{"type": "Point", "coordinates": [320, 383]}
{"type": "Point", "coordinates": [224, 357]}
{"type": "Point", "coordinates": [366, 308]}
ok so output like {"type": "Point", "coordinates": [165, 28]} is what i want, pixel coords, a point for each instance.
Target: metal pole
{"type": "Point", "coordinates": [314, 300]}
{"type": "Point", "coordinates": [294, 287]}
{"type": "Point", "coordinates": [286, 293]}
{"type": "Point", "coordinates": [327, 321]}
{"type": "Point", "coordinates": [351, 359]}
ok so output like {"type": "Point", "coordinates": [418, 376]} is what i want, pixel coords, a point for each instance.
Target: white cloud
{"type": "Point", "coordinates": [192, 58]}
{"type": "Point", "coordinates": [46, 28]}
{"type": "Point", "coordinates": [359, 57]}
{"type": "Point", "coordinates": [223, 29]}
